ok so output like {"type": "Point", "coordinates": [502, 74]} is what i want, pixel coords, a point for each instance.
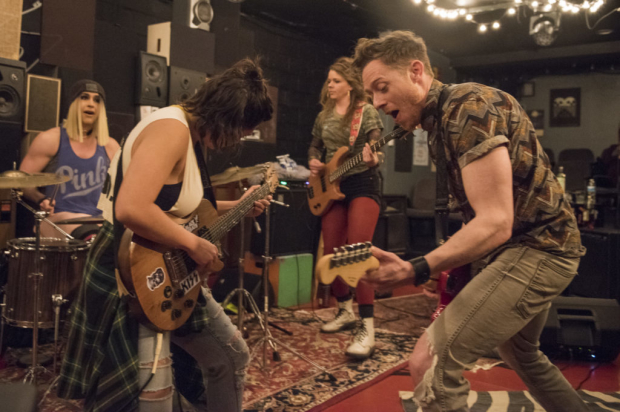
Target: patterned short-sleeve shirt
{"type": "Point", "coordinates": [477, 119]}
{"type": "Point", "coordinates": [335, 134]}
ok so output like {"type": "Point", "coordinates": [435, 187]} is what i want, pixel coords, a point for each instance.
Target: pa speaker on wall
{"type": "Point", "coordinates": [42, 103]}
{"type": "Point", "coordinates": [12, 87]}
{"type": "Point", "coordinates": [152, 80]}
{"type": "Point", "coordinates": [196, 14]}
{"type": "Point", "coordinates": [182, 46]}
{"type": "Point", "coordinates": [184, 84]}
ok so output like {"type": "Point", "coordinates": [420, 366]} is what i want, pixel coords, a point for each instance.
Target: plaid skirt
{"type": "Point", "coordinates": [101, 360]}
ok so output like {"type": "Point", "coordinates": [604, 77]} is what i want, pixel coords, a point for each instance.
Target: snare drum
{"type": "Point", "coordinates": [62, 263]}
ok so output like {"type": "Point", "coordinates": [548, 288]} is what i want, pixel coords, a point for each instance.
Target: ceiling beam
{"type": "Point", "coordinates": [581, 50]}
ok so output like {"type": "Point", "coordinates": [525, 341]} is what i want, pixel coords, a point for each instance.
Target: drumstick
{"type": "Point", "coordinates": [53, 196]}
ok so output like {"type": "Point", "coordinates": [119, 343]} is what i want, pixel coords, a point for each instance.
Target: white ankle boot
{"type": "Point", "coordinates": [345, 318]}
{"type": "Point", "coordinates": [363, 344]}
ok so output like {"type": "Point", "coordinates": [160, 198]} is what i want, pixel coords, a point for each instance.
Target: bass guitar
{"type": "Point", "coordinates": [324, 188]}
{"type": "Point", "coordinates": [350, 262]}
{"type": "Point", "coordinates": [164, 283]}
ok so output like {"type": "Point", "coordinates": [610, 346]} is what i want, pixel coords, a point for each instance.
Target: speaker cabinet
{"type": "Point", "coordinates": [292, 230]}
{"type": "Point", "coordinates": [599, 270]}
{"type": "Point", "coordinates": [582, 328]}
{"type": "Point", "coordinates": [42, 103]}
{"type": "Point", "coordinates": [196, 14]}
{"type": "Point", "coordinates": [12, 85]}
{"type": "Point", "coordinates": [68, 33]}
{"type": "Point", "coordinates": [184, 84]}
{"type": "Point", "coordinates": [12, 101]}
{"type": "Point", "coordinates": [152, 80]}
{"type": "Point", "coordinates": [392, 230]}
{"type": "Point", "coordinates": [182, 46]}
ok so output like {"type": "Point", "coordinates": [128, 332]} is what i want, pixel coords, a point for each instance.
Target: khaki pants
{"type": "Point", "coordinates": [504, 306]}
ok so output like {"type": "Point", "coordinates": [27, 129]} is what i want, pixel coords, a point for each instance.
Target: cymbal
{"type": "Point", "coordinates": [18, 179]}
{"type": "Point", "coordinates": [234, 174]}
{"type": "Point", "coordinates": [81, 220]}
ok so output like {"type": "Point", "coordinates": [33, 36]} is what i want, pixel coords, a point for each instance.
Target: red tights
{"type": "Point", "coordinates": [342, 226]}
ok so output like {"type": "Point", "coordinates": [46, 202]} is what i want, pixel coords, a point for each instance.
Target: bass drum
{"type": "Point", "coordinates": [62, 264]}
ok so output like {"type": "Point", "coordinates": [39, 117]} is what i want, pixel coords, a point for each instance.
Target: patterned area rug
{"type": "Point", "coordinates": [293, 384]}
{"type": "Point", "coordinates": [502, 401]}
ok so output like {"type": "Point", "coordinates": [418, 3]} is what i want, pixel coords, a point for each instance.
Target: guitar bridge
{"type": "Point", "coordinates": [179, 265]}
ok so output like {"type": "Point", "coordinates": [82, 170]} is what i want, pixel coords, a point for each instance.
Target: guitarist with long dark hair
{"type": "Point", "coordinates": [160, 175]}
{"type": "Point", "coordinates": [347, 120]}
{"type": "Point", "coordinates": [518, 226]}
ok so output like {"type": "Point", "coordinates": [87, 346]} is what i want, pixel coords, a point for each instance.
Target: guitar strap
{"type": "Point", "coordinates": [119, 228]}
{"type": "Point", "coordinates": [356, 124]}
{"type": "Point", "coordinates": [441, 199]}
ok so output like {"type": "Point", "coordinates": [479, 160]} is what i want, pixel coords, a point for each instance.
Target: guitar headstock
{"type": "Point", "coordinates": [271, 178]}
{"type": "Point", "coordinates": [350, 262]}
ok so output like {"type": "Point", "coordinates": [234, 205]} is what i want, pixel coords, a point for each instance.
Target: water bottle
{"type": "Point", "coordinates": [562, 178]}
{"type": "Point", "coordinates": [591, 195]}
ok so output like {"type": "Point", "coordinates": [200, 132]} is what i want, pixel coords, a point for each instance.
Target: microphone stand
{"type": "Point", "coordinates": [267, 338]}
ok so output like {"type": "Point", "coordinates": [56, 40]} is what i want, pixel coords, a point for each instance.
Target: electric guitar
{"type": "Point", "coordinates": [350, 262]}
{"type": "Point", "coordinates": [163, 283]}
{"type": "Point", "coordinates": [324, 188]}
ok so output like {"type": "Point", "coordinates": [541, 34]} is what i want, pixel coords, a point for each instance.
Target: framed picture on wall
{"type": "Point", "coordinates": [565, 107]}
{"type": "Point", "coordinates": [538, 120]}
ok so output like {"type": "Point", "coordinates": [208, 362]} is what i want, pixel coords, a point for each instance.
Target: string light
{"type": "Point", "coordinates": [510, 9]}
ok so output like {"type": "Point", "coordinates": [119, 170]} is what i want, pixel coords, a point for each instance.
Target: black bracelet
{"type": "Point", "coordinates": [421, 270]}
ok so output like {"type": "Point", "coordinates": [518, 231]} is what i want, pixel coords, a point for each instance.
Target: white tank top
{"type": "Point", "coordinates": [191, 189]}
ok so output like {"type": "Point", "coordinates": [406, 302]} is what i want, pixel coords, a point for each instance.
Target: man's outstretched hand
{"type": "Point", "coordinates": [392, 272]}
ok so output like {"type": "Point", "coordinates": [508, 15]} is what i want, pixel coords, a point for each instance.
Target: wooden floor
{"type": "Point", "coordinates": [383, 395]}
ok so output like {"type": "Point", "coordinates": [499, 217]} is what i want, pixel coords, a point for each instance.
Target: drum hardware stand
{"type": "Point", "coordinates": [57, 301]}
{"type": "Point", "coordinates": [267, 338]}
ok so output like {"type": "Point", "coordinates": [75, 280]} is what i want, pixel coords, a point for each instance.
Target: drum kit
{"type": "Point", "coordinates": [40, 267]}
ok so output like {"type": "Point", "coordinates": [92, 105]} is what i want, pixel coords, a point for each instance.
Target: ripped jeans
{"type": "Point", "coordinates": [505, 306]}
{"type": "Point", "coordinates": [221, 353]}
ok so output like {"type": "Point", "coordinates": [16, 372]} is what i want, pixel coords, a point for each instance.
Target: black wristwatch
{"type": "Point", "coordinates": [421, 270]}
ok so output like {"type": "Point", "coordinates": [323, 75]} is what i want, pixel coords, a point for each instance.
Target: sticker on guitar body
{"type": "Point", "coordinates": [155, 279]}
{"type": "Point", "coordinates": [189, 282]}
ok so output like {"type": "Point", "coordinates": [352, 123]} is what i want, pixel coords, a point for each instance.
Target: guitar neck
{"type": "Point", "coordinates": [225, 223]}
{"type": "Point", "coordinates": [357, 159]}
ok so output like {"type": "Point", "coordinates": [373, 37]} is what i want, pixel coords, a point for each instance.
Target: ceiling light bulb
{"type": "Point", "coordinates": [436, 12]}
{"type": "Point", "coordinates": [574, 10]}
{"type": "Point", "coordinates": [430, 7]}
{"type": "Point", "coordinates": [430, 1]}
{"type": "Point", "coordinates": [417, 1]}
{"type": "Point", "coordinates": [547, 7]}
{"type": "Point", "coordinates": [512, 11]}
{"type": "Point", "coordinates": [482, 28]}
{"type": "Point", "coordinates": [462, 12]}
{"type": "Point", "coordinates": [534, 4]}
{"type": "Point", "coordinates": [469, 17]}
{"type": "Point", "coordinates": [495, 25]}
